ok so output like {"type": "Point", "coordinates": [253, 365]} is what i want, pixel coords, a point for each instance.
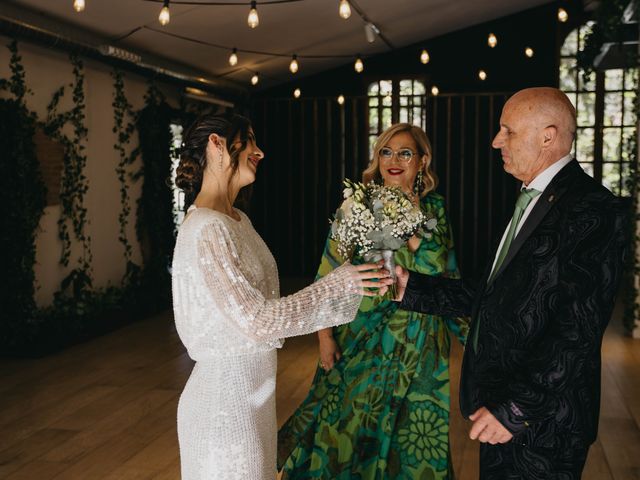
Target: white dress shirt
{"type": "Point", "coordinates": [539, 183]}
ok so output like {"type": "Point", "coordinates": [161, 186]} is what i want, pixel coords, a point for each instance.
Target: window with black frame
{"type": "Point", "coordinates": [606, 119]}
{"type": "Point", "coordinates": [393, 101]}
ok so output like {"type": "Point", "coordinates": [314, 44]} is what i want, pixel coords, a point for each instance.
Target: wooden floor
{"type": "Point", "coordinates": [106, 409]}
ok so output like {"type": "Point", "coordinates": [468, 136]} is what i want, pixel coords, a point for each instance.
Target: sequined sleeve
{"type": "Point", "coordinates": [333, 300]}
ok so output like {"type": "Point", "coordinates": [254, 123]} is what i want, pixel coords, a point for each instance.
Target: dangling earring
{"type": "Point", "coordinates": [418, 185]}
{"type": "Point", "coordinates": [220, 157]}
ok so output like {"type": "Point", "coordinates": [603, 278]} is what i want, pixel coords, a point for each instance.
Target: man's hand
{"type": "Point", "coordinates": [487, 429]}
{"type": "Point", "coordinates": [401, 284]}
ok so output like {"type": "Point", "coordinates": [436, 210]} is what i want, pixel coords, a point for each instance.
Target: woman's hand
{"type": "Point", "coordinates": [371, 276]}
{"type": "Point", "coordinates": [329, 351]}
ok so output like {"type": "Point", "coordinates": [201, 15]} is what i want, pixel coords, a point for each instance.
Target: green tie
{"type": "Point", "coordinates": [524, 199]}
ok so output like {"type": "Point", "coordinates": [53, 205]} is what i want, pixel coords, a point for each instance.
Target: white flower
{"type": "Point", "coordinates": [374, 208]}
{"type": "Point", "coordinates": [432, 223]}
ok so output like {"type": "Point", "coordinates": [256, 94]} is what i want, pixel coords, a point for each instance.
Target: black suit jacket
{"type": "Point", "coordinates": [542, 318]}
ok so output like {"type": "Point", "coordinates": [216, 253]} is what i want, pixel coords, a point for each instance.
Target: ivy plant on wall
{"type": "Point", "coordinates": [79, 310]}
{"type": "Point", "coordinates": [22, 202]}
{"type": "Point", "coordinates": [124, 127]}
{"type": "Point", "coordinates": [74, 184]}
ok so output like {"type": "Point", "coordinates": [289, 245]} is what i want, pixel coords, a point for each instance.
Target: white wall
{"type": "Point", "coordinates": [46, 70]}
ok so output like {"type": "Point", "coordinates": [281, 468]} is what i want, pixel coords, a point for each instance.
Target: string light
{"type": "Point", "coordinates": [233, 58]}
{"type": "Point", "coordinates": [253, 20]}
{"type": "Point", "coordinates": [165, 16]}
{"type": "Point", "coordinates": [563, 16]}
{"type": "Point", "coordinates": [341, 99]}
{"type": "Point", "coordinates": [435, 91]}
{"type": "Point", "coordinates": [293, 66]}
{"type": "Point", "coordinates": [492, 40]}
{"type": "Point", "coordinates": [528, 52]}
{"type": "Point", "coordinates": [344, 9]}
{"type": "Point", "coordinates": [482, 75]}
{"type": "Point", "coordinates": [255, 79]}
{"type": "Point", "coordinates": [424, 57]}
{"type": "Point", "coordinates": [359, 66]}
{"type": "Point", "coordinates": [297, 93]}
{"type": "Point", "coordinates": [78, 5]}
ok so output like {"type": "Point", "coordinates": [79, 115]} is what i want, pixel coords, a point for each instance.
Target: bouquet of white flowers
{"type": "Point", "coordinates": [374, 221]}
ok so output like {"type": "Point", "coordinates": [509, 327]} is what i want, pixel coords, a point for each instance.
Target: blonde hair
{"type": "Point", "coordinates": [430, 179]}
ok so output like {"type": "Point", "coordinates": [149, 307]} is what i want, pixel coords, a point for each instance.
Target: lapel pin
{"type": "Point", "coordinates": [551, 198]}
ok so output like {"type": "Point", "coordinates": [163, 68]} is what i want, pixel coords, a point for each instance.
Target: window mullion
{"type": "Point", "coordinates": [395, 101]}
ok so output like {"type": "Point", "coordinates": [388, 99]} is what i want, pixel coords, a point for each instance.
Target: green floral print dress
{"type": "Point", "coordinates": [382, 412]}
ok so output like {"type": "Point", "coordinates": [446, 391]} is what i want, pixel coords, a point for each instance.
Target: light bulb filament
{"type": "Point", "coordinates": [253, 20]}
{"type": "Point", "coordinates": [344, 9]}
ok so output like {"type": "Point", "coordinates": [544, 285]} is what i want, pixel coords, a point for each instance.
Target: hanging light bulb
{"type": "Point", "coordinates": [344, 9]}
{"type": "Point", "coordinates": [435, 91]}
{"type": "Point", "coordinates": [563, 16]}
{"type": "Point", "coordinates": [297, 93]}
{"type": "Point", "coordinates": [492, 40]}
{"type": "Point", "coordinates": [255, 79]}
{"type": "Point", "coordinates": [253, 20]}
{"type": "Point", "coordinates": [424, 57]}
{"type": "Point", "coordinates": [165, 16]}
{"type": "Point", "coordinates": [233, 58]}
{"type": "Point", "coordinates": [78, 5]}
{"type": "Point", "coordinates": [359, 66]}
{"type": "Point", "coordinates": [341, 99]}
{"type": "Point", "coordinates": [482, 75]}
{"type": "Point", "coordinates": [528, 52]}
{"type": "Point", "coordinates": [293, 66]}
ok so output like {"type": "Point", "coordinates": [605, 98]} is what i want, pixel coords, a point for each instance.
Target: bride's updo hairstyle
{"type": "Point", "coordinates": [193, 154]}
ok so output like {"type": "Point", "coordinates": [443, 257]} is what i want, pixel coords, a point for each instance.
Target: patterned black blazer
{"type": "Point", "coordinates": [541, 320]}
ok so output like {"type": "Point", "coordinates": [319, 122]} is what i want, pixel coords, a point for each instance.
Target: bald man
{"type": "Point", "coordinates": [531, 371]}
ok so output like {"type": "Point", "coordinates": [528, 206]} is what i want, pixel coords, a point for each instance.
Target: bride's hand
{"type": "Point", "coordinates": [372, 277]}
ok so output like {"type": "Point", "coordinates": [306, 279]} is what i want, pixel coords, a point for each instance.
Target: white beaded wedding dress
{"type": "Point", "coordinates": [230, 318]}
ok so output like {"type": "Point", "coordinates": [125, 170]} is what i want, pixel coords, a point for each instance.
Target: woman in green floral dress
{"type": "Point", "coordinates": [379, 404]}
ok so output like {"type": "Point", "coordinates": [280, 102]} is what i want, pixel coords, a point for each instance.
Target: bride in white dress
{"type": "Point", "coordinates": [229, 313]}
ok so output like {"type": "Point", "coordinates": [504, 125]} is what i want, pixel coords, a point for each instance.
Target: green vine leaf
{"type": "Point", "coordinates": [124, 126]}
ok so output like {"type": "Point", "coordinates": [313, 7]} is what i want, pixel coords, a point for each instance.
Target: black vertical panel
{"type": "Point", "coordinates": [318, 213]}
{"type": "Point", "coordinates": [343, 147]}
{"type": "Point", "coordinates": [491, 189]}
{"type": "Point", "coordinates": [353, 141]}
{"type": "Point", "coordinates": [328, 157]}
{"type": "Point", "coordinates": [264, 180]}
{"type": "Point", "coordinates": [448, 146]}
{"type": "Point", "coordinates": [302, 164]}
{"type": "Point", "coordinates": [477, 264]}
{"type": "Point", "coordinates": [290, 186]}
{"type": "Point", "coordinates": [363, 139]}
{"type": "Point", "coordinates": [462, 187]}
